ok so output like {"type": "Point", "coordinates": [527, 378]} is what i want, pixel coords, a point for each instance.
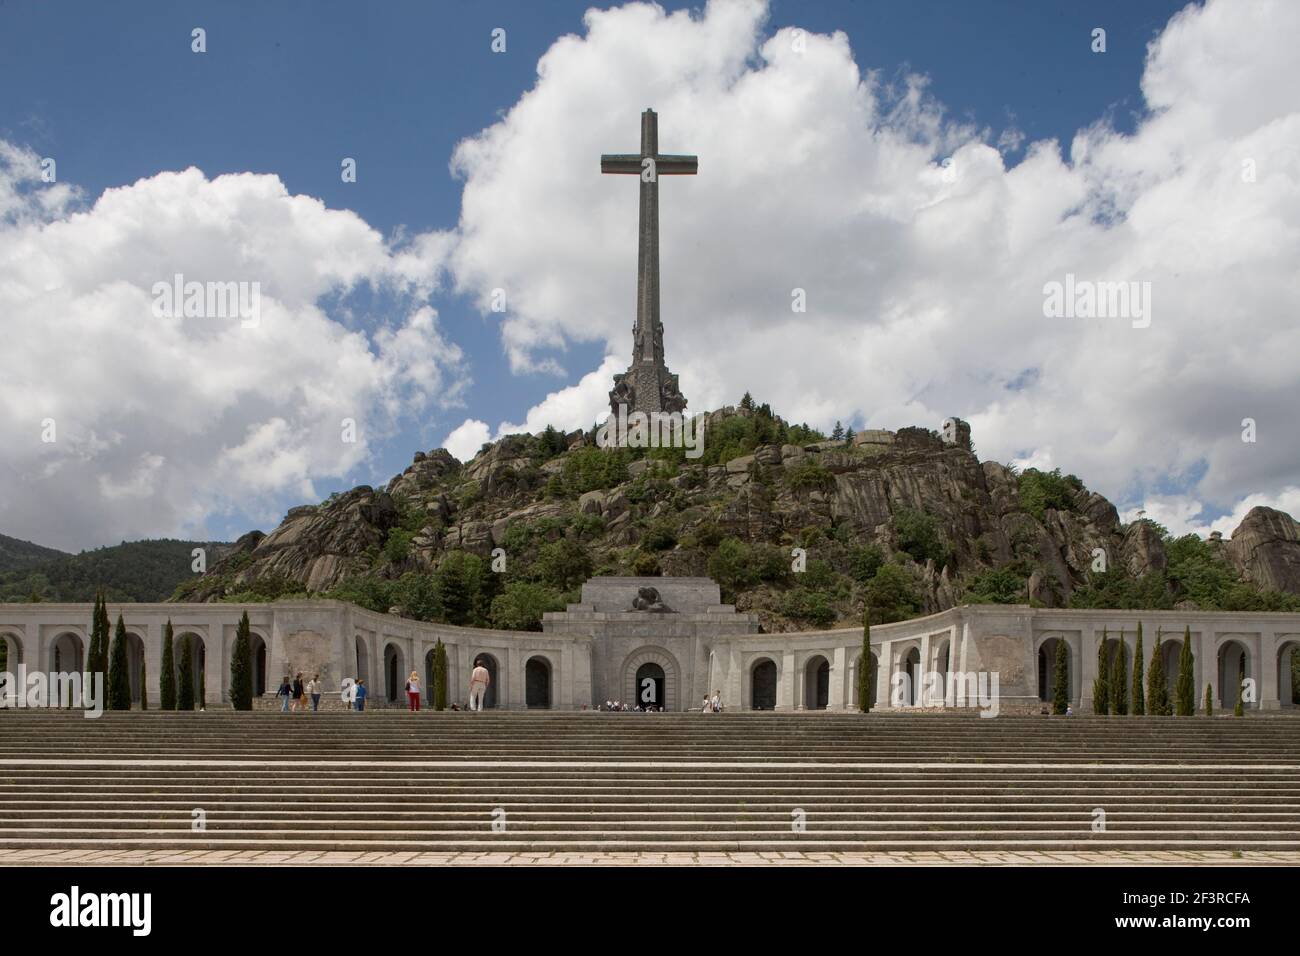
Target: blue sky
{"type": "Point", "coordinates": [289, 88]}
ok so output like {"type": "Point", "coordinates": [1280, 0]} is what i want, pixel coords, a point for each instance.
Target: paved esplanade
{"type": "Point", "coordinates": [648, 386]}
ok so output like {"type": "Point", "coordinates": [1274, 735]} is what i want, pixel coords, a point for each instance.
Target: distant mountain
{"type": "Point", "coordinates": [131, 571]}
{"type": "Point", "coordinates": [16, 555]}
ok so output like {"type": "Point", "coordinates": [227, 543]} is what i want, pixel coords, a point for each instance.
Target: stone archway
{"type": "Point", "coordinates": [11, 651]}
{"type": "Point", "coordinates": [68, 654]}
{"type": "Point", "coordinates": [816, 683]}
{"type": "Point", "coordinates": [394, 673]}
{"type": "Point", "coordinates": [1288, 673]}
{"type": "Point", "coordinates": [494, 682]}
{"type": "Point", "coordinates": [1047, 669]}
{"type": "Point", "coordinates": [537, 683]}
{"type": "Point", "coordinates": [672, 700]}
{"type": "Point", "coordinates": [762, 685]}
{"type": "Point", "coordinates": [134, 663]}
{"type": "Point", "coordinates": [651, 686]}
{"type": "Point", "coordinates": [912, 668]}
{"type": "Point", "coordinates": [1234, 667]}
{"type": "Point", "coordinates": [362, 661]}
{"type": "Point", "coordinates": [1171, 650]}
{"type": "Point", "coordinates": [940, 664]}
{"type": "Point", "coordinates": [257, 657]}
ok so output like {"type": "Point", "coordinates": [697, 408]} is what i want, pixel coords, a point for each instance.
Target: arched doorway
{"type": "Point", "coordinates": [651, 685]}
{"type": "Point", "coordinates": [1171, 650]}
{"type": "Point", "coordinates": [762, 685]}
{"type": "Point", "coordinates": [428, 676]}
{"type": "Point", "coordinates": [134, 663]}
{"type": "Point", "coordinates": [942, 663]}
{"type": "Point", "coordinates": [493, 669]}
{"type": "Point", "coordinates": [67, 654]}
{"type": "Point", "coordinates": [1288, 674]}
{"type": "Point", "coordinates": [394, 673]}
{"type": "Point", "coordinates": [912, 667]}
{"type": "Point", "coordinates": [257, 656]}
{"type": "Point", "coordinates": [11, 651]}
{"type": "Point", "coordinates": [363, 661]}
{"type": "Point", "coordinates": [537, 684]}
{"type": "Point", "coordinates": [816, 683]}
{"type": "Point", "coordinates": [1234, 668]}
{"type": "Point", "coordinates": [1047, 670]}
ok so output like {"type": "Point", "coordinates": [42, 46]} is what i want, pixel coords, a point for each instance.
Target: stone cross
{"type": "Point", "coordinates": [649, 164]}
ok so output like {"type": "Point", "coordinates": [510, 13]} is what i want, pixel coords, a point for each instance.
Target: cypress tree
{"type": "Point", "coordinates": [203, 690]}
{"type": "Point", "coordinates": [1209, 701]}
{"type": "Point", "coordinates": [101, 663]}
{"type": "Point", "coordinates": [92, 649]}
{"type": "Point", "coordinates": [1139, 700]}
{"type": "Point", "coordinates": [1237, 709]}
{"type": "Point", "coordinates": [241, 671]}
{"type": "Point", "coordinates": [864, 668]}
{"type": "Point", "coordinates": [439, 676]}
{"type": "Point", "coordinates": [1061, 679]}
{"type": "Point", "coordinates": [1101, 683]}
{"type": "Point", "coordinates": [167, 679]}
{"type": "Point", "coordinates": [119, 672]}
{"type": "Point", "coordinates": [185, 679]}
{"type": "Point", "coordinates": [1119, 680]}
{"type": "Point", "coordinates": [144, 686]}
{"type": "Point", "coordinates": [1185, 691]}
{"type": "Point", "coordinates": [1157, 690]}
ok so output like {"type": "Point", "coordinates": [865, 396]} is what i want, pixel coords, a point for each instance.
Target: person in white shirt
{"type": "Point", "coordinates": [314, 689]}
{"type": "Point", "coordinates": [707, 708]}
{"type": "Point", "coordinates": [716, 703]}
{"type": "Point", "coordinates": [478, 685]}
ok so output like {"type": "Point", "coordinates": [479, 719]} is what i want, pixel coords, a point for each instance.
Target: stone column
{"type": "Point", "coordinates": [884, 674]}
{"type": "Point", "coordinates": [835, 700]}
{"type": "Point", "coordinates": [1090, 638]}
{"type": "Point", "coordinates": [153, 638]}
{"type": "Point", "coordinates": [32, 651]}
{"type": "Point", "coordinates": [513, 665]}
{"type": "Point", "coordinates": [733, 684]}
{"type": "Point", "coordinates": [785, 686]}
{"type": "Point", "coordinates": [1268, 696]}
{"type": "Point", "coordinates": [1209, 670]}
{"type": "Point", "coordinates": [921, 693]}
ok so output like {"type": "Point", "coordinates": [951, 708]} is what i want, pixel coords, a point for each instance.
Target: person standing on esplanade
{"type": "Point", "coordinates": [359, 694]}
{"type": "Point", "coordinates": [478, 685]}
{"type": "Point", "coordinates": [283, 693]}
{"type": "Point", "coordinates": [413, 691]}
{"type": "Point", "coordinates": [299, 702]}
{"type": "Point", "coordinates": [314, 688]}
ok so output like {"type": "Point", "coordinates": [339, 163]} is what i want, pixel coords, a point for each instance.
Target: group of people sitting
{"type": "Point", "coordinates": [711, 705]}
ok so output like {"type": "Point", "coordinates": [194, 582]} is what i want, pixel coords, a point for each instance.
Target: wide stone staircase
{"type": "Point", "coordinates": [676, 782]}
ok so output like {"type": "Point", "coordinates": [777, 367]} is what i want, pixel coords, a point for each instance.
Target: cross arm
{"type": "Point", "coordinates": [676, 165]}
{"type": "Point", "coordinates": [621, 163]}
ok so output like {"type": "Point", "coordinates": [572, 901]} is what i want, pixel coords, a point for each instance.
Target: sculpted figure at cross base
{"type": "Point", "coordinates": [623, 392]}
{"type": "Point", "coordinates": [647, 599]}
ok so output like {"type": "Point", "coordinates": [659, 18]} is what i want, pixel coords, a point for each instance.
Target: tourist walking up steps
{"type": "Point", "coordinates": [299, 702]}
{"type": "Point", "coordinates": [413, 691]}
{"type": "Point", "coordinates": [283, 693]}
{"type": "Point", "coordinates": [478, 685]}
{"type": "Point", "coordinates": [359, 694]}
{"type": "Point", "coordinates": [313, 688]}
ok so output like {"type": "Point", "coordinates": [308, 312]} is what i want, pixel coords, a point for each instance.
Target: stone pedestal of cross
{"type": "Point", "coordinates": [648, 386]}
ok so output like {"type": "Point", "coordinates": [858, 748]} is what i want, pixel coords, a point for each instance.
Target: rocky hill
{"type": "Point", "coordinates": [908, 522]}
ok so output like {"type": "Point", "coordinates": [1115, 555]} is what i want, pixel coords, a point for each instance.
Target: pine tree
{"type": "Point", "coordinates": [185, 679]}
{"type": "Point", "coordinates": [144, 686]}
{"type": "Point", "coordinates": [119, 672]}
{"type": "Point", "coordinates": [241, 671]}
{"type": "Point", "coordinates": [1119, 680]}
{"type": "Point", "coordinates": [1139, 699]}
{"type": "Point", "coordinates": [1237, 709]}
{"type": "Point", "coordinates": [838, 433]}
{"type": "Point", "coordinates": [439, 676]}
{"type": "Point", "coordinates": [1209, 701]}
{"type": "Point", "coordinates": [1061, 680]}
{"type": "Point", "coordinates": [1101, 683]}
{"type": "Point", "coordinates": [848, 434]}
{"type": "Point", "coordinates": [167, 679]}
{"type": "Point", "coordinates": [1157, 690]}
{"type": "Point", "coordinates": [747, 402]}
{"type": "Point", "coordinates": [864, 666]}
{"type": "Point", "coordinates": [1185, 690]}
